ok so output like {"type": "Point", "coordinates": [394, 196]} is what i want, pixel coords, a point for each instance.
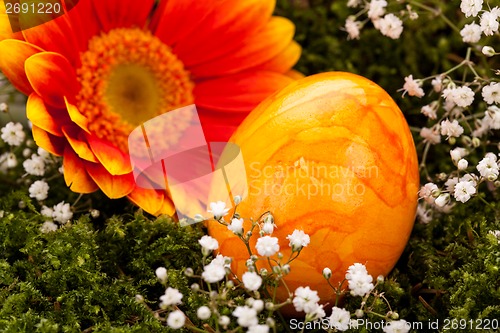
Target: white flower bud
{"type": "Point", "coordinates": [161, 274]}
{"type": "Point", "coordinates": [488, 51]}
{"type": "Point", "coordinates": [327, 273]}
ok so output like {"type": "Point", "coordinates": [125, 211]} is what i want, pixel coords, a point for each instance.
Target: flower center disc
{"type": "Point", "coordinates": [127, 77]}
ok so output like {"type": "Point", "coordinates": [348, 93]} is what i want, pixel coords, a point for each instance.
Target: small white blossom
{"type": "Point", "coordinates": [236, 226]}
{"type": "Point", "coordinates": [397, 326]}
{"type": "Point", "coordinates": [327, 273]}
{"type": "Point", "coordinates": [218, 209]}
{"type": "Point", "coordinates": [340, 319]}
{"type": "Point", "coordinates": [488, 51]}
{"type": "Point", "coordinates": [35, 165]}
{"type": "Point", "coordinates": [298, 240]}
{"type": "Point", "coordinates": [376, 8]}
{"type": "Point", "coordinates": [267, 246]}
{"type": "Point", "coordinates": [352, 27]}
{"type": "Point", "coordinates": [224, 321]}
{"type": "Point", "coordinates": [392, 26]}
{"type": "Point", "coordinates": [359, 281]}
{"type": "Point", "coordinates": [252, 281]}
{"type": "Point", "coordinates": [44, 154]}
{"type": "Point", "coordinates": [247, 316]}
{"type": "Point", "coordinates": [161, 274]}
{"type": "Point", "coordinates": [203, 312]}
{"type": "Point", "coordinates": [7, 161]}
{"type": "Point", "coordinates": [488, 168]}
{"type": "Point", "coordinates": [172, 296]}
{"type": "Point", "coordinates": [442, 200]}
{"type": "Point", "coordinates": [258, 329]}
{"type": "Point", "coordinates": [424, 215]}
{"type": "Point", "coordinates": [491, 119]}
{"type": "Point", "coordinates": [489, 22]}
{"type": "Point", "coordinates": [462, 164]}
{"type": "Point", "coordinates": [48, 226]}
{"type": "Point", "coordinates": [491, 93]}
{"type": "Point", "coordinates": [451, 128]}
{"type": "Point", "coordinates": [317, 312]}
{"type": "Point", "coordinates": [457, 153]}
{"type": "Point", "coordinates": [215, 271]}
{"type": "Point", "coordinates": [428, 191]}
{"type": "Point", "coordinates": [413, 87]}
{"type": "Point", "coordinates": [13, 134]}
{"type": "Point", "coordinates": [62, 212]}
{"type": "Point", "coordinates": [437, 84]}
{"type": "Point", "coordinates": [464, 190]}
{"type": "Point", "coordinates": [429, 111]}
{"type": "Point", "coordinates": [208, 244]}
{"type": "Point", "coordinates": [39, 190]}
{"type": "Point", "coordinates": [268, 228]}
{"type": "Point", "coordinates": [354, 3]}
{"type": "Point", "coordinates": [462, 96]}
{"type": "Point", "coordinates": [471, 33]}
{"type": "Point", "coordinates": [305, 299]}
{"type": "Point", "coordinates": [430, 135]}
{"type": "Point", "coordinates": [471, 7]}
{"type": "Point", "coordinates": [258, 305]}
{"type": "Point", "coordinates": [4, 107]}
{"type": "Point", "coordinates": [47, 211]}
{"type": "Point", "coordinates": [450, 184]}
{"type": "Point", "coordinates": [176, 319]}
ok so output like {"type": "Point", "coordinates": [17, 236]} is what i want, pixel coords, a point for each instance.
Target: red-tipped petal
{"type": "Point", "coordinates": [52, 77]}
{"type": "Point", "coordinates": [76, 116]}
{"type": "Point", "coordinates": [283, 61]}
{"type": "Point", "coordinates": [113, 186]}
{"type": "Point", "coordinates": [13, 55]}
{"type": "Point", "coordinates": [75, 175]}
{"type": "Point", "coordinates": [46, 117]}
{"type": "Point", "coordinates": [257, 49]}
{"type": "Point", "coordinates": [149, 200]}
{"type": "Point", "coordinates": [78, 142]}
{"type": "Point", "coordinates": [167, 208]}
{"type": "Point", "coordinates": [122, 13]}
{"type": "Point", "coordinates": [53, 144]}
{"type": "Point", "coordinates": [112, 158]}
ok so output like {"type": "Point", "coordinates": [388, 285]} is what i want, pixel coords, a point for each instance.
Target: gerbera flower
{"type": "Point", "coordinates": [106, 66]}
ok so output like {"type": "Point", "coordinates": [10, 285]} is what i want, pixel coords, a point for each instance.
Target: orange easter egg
{"type": "Point", "coordinates": [332, 155]}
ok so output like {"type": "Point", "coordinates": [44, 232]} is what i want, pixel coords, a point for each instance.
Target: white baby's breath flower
{"type": "Point", "coordinates": [35, 165]}
{"type": "Point", "coordinates": [359, 281]}
{"type": "Point", "coordinates": [258, 329]}
{"type": "Point", "coordinates": [215, 271]}
{"type": "Point", "coordinates": [39, 190]}
{"type": "Point", "coordinates": [471, 33]}
{"type": "Point", "coordinates": [354, 3]}
{"type": "Point", "coordinates": [376, 8]}
{"type": "Point", "coordinates": [428, 191]}
{"type": "Point", "coordinates": [298, 240]}
{"type": "Point", "coordinates": [450, 184]}
{"type": "Point", "coordinates": [13, 134]}
{"type": "Point", "coordinates": [437, 84]}
{"type": "Point", "coordinates": [317, 312]}
{"type": "Point", "coordinates": [462, 96]}
{"type": "Point", "coordinates": [464, 190]}
{"type": "Point", "coordinates": [258, 305]}
{"type": "Point", "coordinates": [203, 312]}
{"type": "Point", "coordinates": [224, 321]}
{"type": "Point", "coordinates": [429, 111]}
{"type": "Point", "coordinates": [218, 209]}
{"type": "Point", "coordinates": [471, 7]}
{"type": "Point", "coordinates": [442, 200]}
{"type": "Point", "coordinates": [491, 93]}
{"type": "Point", "coordinates": [462, 164]}
{"type": "Point", "coordinates": [352, 27]}
{"type": "Point", "coordinates": [397, 326]}
{"type": "Point", "coordinates": [489, 22]}
{"type": "Point", "coordinates": [451, 128]}
{"type": "Point", "coordinates": [208, 244]}
{"type": "Point", "coordinates": [176, 319]}
{"type": "Point", "coordinates": [236, 226]}
{"type": "Point", "coordinates": [47, 211]}
{"type": "Point", "coordinates": [457, 154]}
{"type": "Point", "coordinates": [488, 51]}
{"type": "Point", "coordinates": [340, 318]}
{"type": "Point", "coordinates": [161, 274]}
{"type": "Point", "coordinates": [430, 135]}
{"type": "Point", "coordinates": [247, 316]}
{"type": "Point", "coordinates": [267, 246]}
{"type": "Point", "coordinates": [252, 281]}
{"type": "Point", "coordinates": [172, 296]}
{"type": "Point", "coordinates": [488, 168]}
{"type": "Point", "coordinates": [305, 299]}
{"type": "Point", "coordinates": [48, 226]}
{"type": "Point", "coordinates": [268, 227]}
{"type": "Point", "coordinates": [327, 273]}
{"type": "Point", "coordinates": [392, 26]}
{"type": "Point", "coordinates": [62, 212]}
{"type": "Point", "coordinates": [413, 87]}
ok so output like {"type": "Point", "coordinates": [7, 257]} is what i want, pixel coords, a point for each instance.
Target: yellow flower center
{"type": "Point", "coordinates": [127, 77]}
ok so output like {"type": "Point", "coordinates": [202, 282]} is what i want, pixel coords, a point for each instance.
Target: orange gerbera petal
{"type": "Point", "coordinates": [149, 200]}
{"type": "Point", "coordinates": [260, 47]}
{"type": "Point", "coordinates": [76, 116]}
{"type": "Point", "coordinates": [78, 142]}
{"type": "Point", "coordinates": [75, 175]}
{"type": "Point", "coordinates": [113, 186]}
{"type": "Point", "coordinates": [283, 61]}
{"type": "Point", "coordinates": [223, 29]}
{"type": "Point", "coordinates": [52, 77]}
{"type": "Point", "coordinates": [115, 162]}
{"type": "Point", "coordinates": [167, 208]}
{"type": "Point", "coordinates": [46, 117]}
{"type": "Point", "coordinates": [122, 13]}
{"type": "Point", "coordinates": [56, 36]}
{"type": "Point", "coordinates": [53, 144]}
{"type": "Point", "coordinates": [13, 55]}
{"type": "Point", "coordinates": [5, 27]}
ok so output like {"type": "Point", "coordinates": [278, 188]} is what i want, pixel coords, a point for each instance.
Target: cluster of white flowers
{"type": "Point", "coordinates": [488, 21]}
{"type": "Point", "coordinates": [61, 213]}
{"type": "Point", "coordinates": [360, 282]}
{"type": "Point", "coordinates": [13, 134]}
